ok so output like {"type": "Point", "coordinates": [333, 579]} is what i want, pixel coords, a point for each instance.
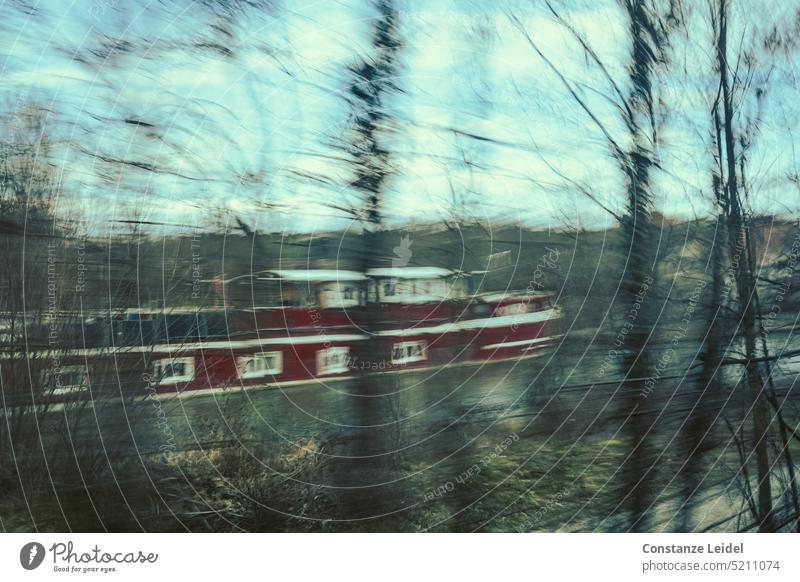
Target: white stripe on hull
{"type": "Point", "coordinates": [520, 343]}
{"type": "Point", "coordinates": [488, 322]}
{"type": "Point", "coordinates": [252, 343]}
{"type": "Point", "coordinates": [320, 338]}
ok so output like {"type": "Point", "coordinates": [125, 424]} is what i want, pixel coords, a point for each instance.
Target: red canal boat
{"type": "Point", "coordinates": [318, 325]}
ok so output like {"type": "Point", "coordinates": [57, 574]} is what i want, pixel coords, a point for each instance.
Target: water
{"type": "Point", "coordinates": [527, 445]}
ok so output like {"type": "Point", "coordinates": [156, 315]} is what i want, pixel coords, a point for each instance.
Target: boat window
{"type": "Point", "coordinates": [174, 370]}
{"type": "Point", "coordinates": [249, 292]}
{"type": "Point", "coordinates": [298, 295]}
{"type": "Point", "coordinates": [338, 295]}
{"type": "Point", "coordinates": [332, 360]}
{"type": "Point", "coordinates": [411, 351]}
{"type": "Point", "coordinates": [65, 379]}
{"type": "Point", "coordinates": [481, 309]}
{"type": "Point", "coordinates": [260, 364]}
{"type": "Point", "coordinates": [458, 288]}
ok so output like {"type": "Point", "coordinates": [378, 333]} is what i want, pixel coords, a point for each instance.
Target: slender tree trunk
{"type": "Point", "coordinates": [700, 420]}
{"type": "Point", "coordinates": [361, 465]}
{"type": "Point", "coordinates": [745, 284]}
{"type": "Point", "coordinates": [639, 275]}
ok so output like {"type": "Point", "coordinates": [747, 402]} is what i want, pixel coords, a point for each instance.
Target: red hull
{"type": "Point", "coordinates": [279, 346]}
{"type": "Point", "coordinates": [327, 344]}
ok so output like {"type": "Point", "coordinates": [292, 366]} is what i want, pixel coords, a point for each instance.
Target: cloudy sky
{"type": "Point", "coordinates": [245, 111]}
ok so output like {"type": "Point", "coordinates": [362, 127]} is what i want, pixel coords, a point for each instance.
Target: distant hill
{"type": "Point", "coordinates": [147, 271]}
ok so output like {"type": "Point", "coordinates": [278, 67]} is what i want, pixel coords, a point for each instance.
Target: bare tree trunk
{"type": "Point", "coordinates": [745, 283]}
{"type": "Point", "coordinates": [699, 424]}
{"type": "Point", "coordinates": [359, 469]}
{"type": "Point", "coordinates": [640, 272]}
{"type": "Point", "coordinates": [649, 41]}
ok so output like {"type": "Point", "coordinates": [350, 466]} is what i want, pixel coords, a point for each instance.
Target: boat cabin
{"type": "Point", "coordinates": [415, 285]}
{"type": "Point", "coordinates": [323, 288]}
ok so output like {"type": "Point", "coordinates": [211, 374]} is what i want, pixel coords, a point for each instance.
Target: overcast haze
{"type": "Point", "coordinates": [246, 108]}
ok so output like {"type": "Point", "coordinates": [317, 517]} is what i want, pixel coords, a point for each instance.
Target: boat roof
{"type": "Point", "coordinates": [411, 273]}
{"type": "Point", "coordinates": [311, 275]}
